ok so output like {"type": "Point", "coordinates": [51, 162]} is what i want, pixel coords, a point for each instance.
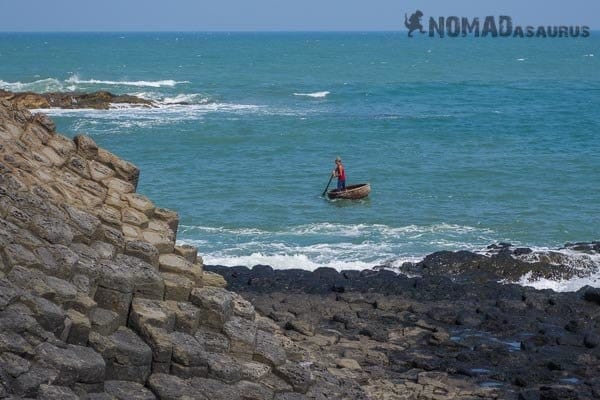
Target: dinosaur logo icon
{"type": "Point", "coordinates": [414, 22]}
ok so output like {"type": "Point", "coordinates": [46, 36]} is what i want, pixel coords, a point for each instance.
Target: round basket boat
{"type": "Point", "coordinates": [352, 192]}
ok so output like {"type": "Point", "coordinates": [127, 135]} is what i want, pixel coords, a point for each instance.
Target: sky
{"type": "Point", "coordinates": [276, 15]}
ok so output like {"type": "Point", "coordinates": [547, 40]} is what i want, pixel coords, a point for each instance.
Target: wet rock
{"type": "Point", "coordinates": [591, 294]}
{"type": "Point", "coordinates": [591, 340]}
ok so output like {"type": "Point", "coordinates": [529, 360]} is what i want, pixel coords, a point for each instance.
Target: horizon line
{"type": "Point", "coordinates": [244, 31]}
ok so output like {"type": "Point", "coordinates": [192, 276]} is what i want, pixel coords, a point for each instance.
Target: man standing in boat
{"type": "Point", "coordinates": [340, 173]}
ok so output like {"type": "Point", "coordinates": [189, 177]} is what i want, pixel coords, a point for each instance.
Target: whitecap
{"type": "Point", "coordinates": [160, 83]}
{"type": "Point", "coordinates": [185, 99]}
{"type": "Point", "coordinates": [335, 245]}
{"type": "Point", "coordinates": [40, 85]}
{"type": "Point", "coordinates": [567, 285]}
{"type": "Point", "coordinates": [316, 95]}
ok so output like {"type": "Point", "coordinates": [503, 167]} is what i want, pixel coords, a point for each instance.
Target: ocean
{"type": "Point", "coordinates": [466, 142]}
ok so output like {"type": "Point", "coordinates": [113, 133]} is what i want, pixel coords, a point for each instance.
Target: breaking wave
{"type": "Point", "coordinates": [315, 95]}
{"type": "Point", "coordinates": [74, 83]}
{"type": "Point", "coordinates": [364, 246]}
{"type": "Point", "coordinates": [155, 84]}
{"type": "Point", "coordinates": [339, 246]}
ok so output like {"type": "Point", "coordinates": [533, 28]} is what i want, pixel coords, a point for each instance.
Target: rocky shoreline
{"type": "Point", "coordinates": [100, 100]}
{"type": "Point", "coordinates": [97, 301]}
{"type": "Point", "coordinates": [438, 336]}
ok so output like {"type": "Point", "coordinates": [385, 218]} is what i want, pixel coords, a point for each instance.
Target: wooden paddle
{"type": "Point", "coordinates": [327, 187]}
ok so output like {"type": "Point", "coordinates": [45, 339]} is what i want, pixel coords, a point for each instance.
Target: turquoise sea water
{"type": "Point", "coordinates": [465, 141]}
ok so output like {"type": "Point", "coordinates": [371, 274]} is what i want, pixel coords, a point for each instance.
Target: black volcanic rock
{"type": "Point", "coordinates": [396, 330]}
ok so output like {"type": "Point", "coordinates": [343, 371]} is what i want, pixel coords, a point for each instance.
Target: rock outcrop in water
{"type": "Point", "coordinates": [100, 100]}
{"type": "Point", "coordinates": [97, 301]}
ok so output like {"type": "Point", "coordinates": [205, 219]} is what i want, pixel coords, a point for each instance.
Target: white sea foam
{"type": "Point", "coordinates": [570, 285]}
{"type": "Point", "coordinates": [193, 98]}
{"type": "Point", "coordinates": [40, 86]}
{"type": "Point", "coordinates": [316, 95]}
{"type": "Point", "coordinates": [120, 118]}
{"type": "Point", "coordinates": [346, 230]}
{"type": "Point", "coordinates": [283, 261]}
{"type": "Point", "coordinates": [74, 83]}
{"type": "Point", "coordinates": [155, 84]}
{"type": "Point", "coordinates": [133, 111]}
{"type": "Point", "coordinates": [364, 246]}
{"type": "Point", "coordinates": [339, 246]}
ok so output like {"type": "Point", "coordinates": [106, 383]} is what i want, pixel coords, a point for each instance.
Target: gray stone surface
{"type": "Point", "coordinates": [216, 305]}
{"type": "Point", "coordinates": [72, 363]}
{"type": "Point", "coordinates": [104, 321]}
{"type": "Point", "coordinates": [127, 356]}
{"type": "Point", "coordinates": [169, 387]}
{"type": "Point", "coordinates": [47, 392]}
{"type": "Point", "coordinates": [126, 390]}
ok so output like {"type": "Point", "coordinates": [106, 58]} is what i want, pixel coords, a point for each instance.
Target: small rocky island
{"type": "Point", "coordinates": [97, 301]}
{"type": "Point", "coordinates": [100, 100]}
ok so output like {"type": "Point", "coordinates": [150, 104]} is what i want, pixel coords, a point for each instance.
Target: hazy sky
{"type": "Point", "coordinates": [269, 15]}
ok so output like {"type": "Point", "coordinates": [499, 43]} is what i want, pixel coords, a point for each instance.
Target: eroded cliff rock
{"type": "Point", "coordinates": [97, 301]}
